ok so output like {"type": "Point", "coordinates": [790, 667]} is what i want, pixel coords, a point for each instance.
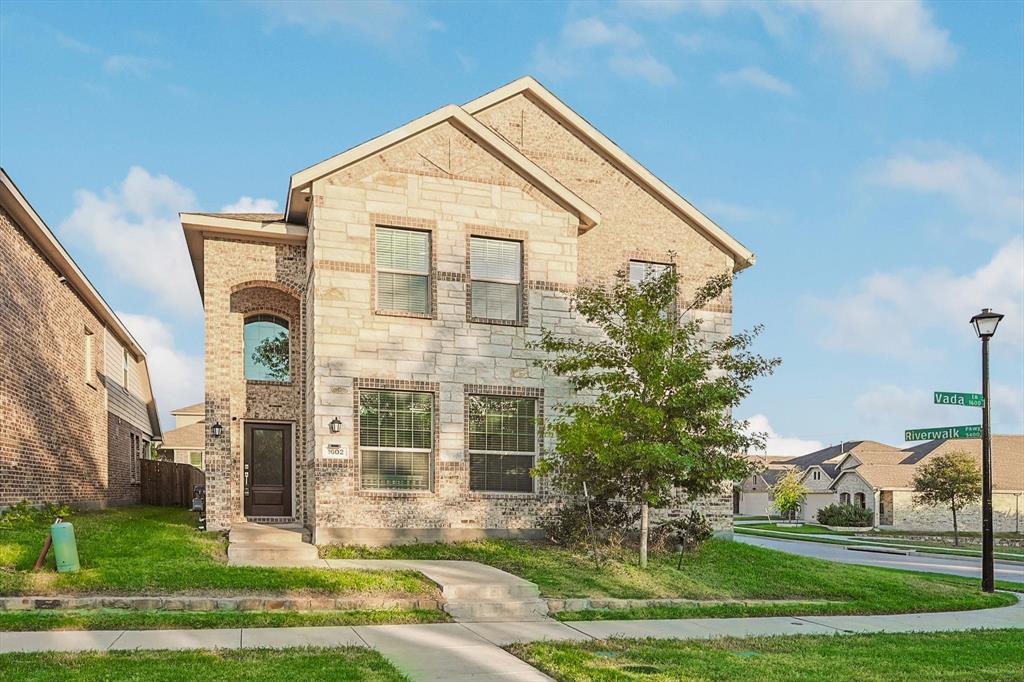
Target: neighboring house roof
{"type": "Point", "coordinates": [527, 85]}
{"type": "Point", "coordinates": [15, 203]}
{"type": "Point", "coordinates": [192, 437]}
{"type": "Point", "coordinates": [880, 472]}
{"type": "Point", "coordinates": [198, 408]}
{"type": "Point", "coordinates": [828, 469]}
{"type": "Point", "coordinates": [302, 181]}
{"type": "Point", "coordinates": [771, 476]}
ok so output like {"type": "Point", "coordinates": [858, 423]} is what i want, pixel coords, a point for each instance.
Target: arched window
{"type": "Point", "coordinates": [266, 348]}
{"type": "Point", "coordinates": [858, 499]}
{"type": "Point", "coordinates": [844, 498]}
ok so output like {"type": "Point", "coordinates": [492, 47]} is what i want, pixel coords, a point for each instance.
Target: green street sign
{"type": "Point", "coordinates": [962, 399]}
{"type": "Point", "coordinates": [943, 433]}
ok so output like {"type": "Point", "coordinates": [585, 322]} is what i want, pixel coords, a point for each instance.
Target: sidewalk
{"type": "Point", "coordinates": [464, 651]}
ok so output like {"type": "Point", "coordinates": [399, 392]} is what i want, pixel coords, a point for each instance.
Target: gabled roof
{"type": "Point", "coordinates": [301, 183]}
{"type": "Point", "coordinates": [742, 256]}
{"type": "Point", "coordinates": [192, 437]}
{"type": "Point", "coordinates": [197, 409]}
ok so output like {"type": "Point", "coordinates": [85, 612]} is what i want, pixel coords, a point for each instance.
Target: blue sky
{"type": "Point", "coordinates": [872, 156]}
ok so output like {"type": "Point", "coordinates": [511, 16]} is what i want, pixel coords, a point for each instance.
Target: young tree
{"type": "Point", "coordinates": [951, 479]}
{"type": "Point", "coordinates": [656, 396]}
{"type": "Point", "coordinates": [788, 494]}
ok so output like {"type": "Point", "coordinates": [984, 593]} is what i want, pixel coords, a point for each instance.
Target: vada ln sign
{"type": "Point", "coordinates": [943, 433]}
{"type": "Point", "coordinates": [962, 399]}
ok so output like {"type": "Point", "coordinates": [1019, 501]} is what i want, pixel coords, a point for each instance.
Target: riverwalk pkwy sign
{"type": "Point", "coordinates": [962, 399]}
{"type": "Point", "coordinates": [943, 433]}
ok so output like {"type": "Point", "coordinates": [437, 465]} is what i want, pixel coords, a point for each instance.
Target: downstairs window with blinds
{"type": "Point", "coordinates": [496, 279]}
{"type": "Point", "coordinates": [403, 270]}
{"type": "Point", "coordinates": [396, 437]}
{"type": "Point", "coordinates": [502, 443]}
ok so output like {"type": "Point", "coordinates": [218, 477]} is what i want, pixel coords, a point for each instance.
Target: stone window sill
{"type": "Point", "coordinates": [404, 314]}
{"type": "Point", "coordinates": [500, 323]}
{"type": "Point", "coordinates": [269, 382]}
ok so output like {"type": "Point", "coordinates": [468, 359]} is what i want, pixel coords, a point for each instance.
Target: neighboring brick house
{"type": "Point", "coordinates": [185, 443]}
{"type": "Point", "coordinates": [76, 407]}
{"type": "Point", "coordinates": [367, 357]}
{"type": "Point", "coordinates": [883, 481]}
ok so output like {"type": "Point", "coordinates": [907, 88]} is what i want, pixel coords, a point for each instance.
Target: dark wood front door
{"type": "Point", "coordinates": [268, 470]}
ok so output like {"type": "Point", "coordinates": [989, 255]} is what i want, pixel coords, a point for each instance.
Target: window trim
{"type": "Point", "coordinates": [430, 274]}
{"type": "Point", "coordinates": [499, 234]}
{"type": "Point", "coordinates": [518, 283]}
{"type": "Point", "coordinates": [281, 320]}
{"type": "Point", "coordinates": [124, 367]}
{"type": "Point", "coordinates": [89, 356]}
{"type": "Point", "coordinates": [513, 392]}
{"type": "Point", "coordinates": [648, 261]}
{"type": "Point", "coordinates": [362, 386]}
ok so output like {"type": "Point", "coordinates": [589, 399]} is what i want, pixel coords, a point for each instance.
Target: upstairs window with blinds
{"type": "Point", "coordinates": [641, 271]}
{"type": "Point", "coordinates": [396, 437]}
{"type": "Point", "coordinates": [403, 270]}
{"type": "Point", "coordinates": [496, 274]}
{"type": "Point", "coordinates": [502, 443]}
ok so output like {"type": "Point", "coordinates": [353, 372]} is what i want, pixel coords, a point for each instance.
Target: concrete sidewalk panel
{"type": "Point", "coordinates": [284, 638]}
{"type": "Point", "coordinates": [179, 639]}
{"type": "Point", "coordinates": [531, 631]}
{"type": "Point", "coordinates": [94, 640]}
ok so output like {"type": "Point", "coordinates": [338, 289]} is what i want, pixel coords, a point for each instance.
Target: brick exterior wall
{"type": "Point", "coordinates": [443, 182]}
{"type": "Point", "coordinates": [54, 440]}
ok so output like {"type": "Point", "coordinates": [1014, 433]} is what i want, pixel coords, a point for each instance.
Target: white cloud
{"type": "Point", "coordinates": [756, 77]}
{"type": "Point", "coordinates": [134, 228]}
{"type": "Point", "coordinates": [723, 210]}
{"type": "Point", "coordinates": [871, 33]}
{"type": "Point", "coordinates": [969, 181]}
{"type": "Point", "coordinates": [897, 314]}
{"type": "Point", "coordinates": [177, 377]}
{"type": "Point", "coordinates": [888, 406]}
{"type": "Point", "coordinates": [777, 444]}
{"type": "Point", "coordinates": [251, 205]}
{"type": "Point", "coordinates": [131, 65]}
{"type": "Point", "coordinates": [584, 43]}
{"type": "Point", "coordinates": [642, 66]}
{"type": "Point", "coordinates": [592, 32]}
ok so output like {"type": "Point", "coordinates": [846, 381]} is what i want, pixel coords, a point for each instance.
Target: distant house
{"type": "Point", "coordinates": [186, 442]}
{"type": "Point", "coordinates": [76, 407]}
{"type": "Point", "coordinates": [883, 481]}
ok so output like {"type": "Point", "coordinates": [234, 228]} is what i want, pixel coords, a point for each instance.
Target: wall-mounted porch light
{"type": "Point", "coordinates": [217, 430]}
{"type": "Point", "coordinates": [335, 425]}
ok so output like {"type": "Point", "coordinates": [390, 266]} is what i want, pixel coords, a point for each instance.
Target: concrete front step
{"type": "Point", "coordinates": [245, 533]}
{"type": "Point", "coordinates": [271, 552]}
{"type": "Point", "coordinates": [491, 592]}
{"type": "Point", "coordinates": [497, 611]}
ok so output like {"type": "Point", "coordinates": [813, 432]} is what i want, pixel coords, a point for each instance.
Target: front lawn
{"type": "Point", "coordinates": [806, 528]}
{"type": "Point", "coordinates": [961, 656]}
{"type": "Point", "coordinates": [348, 664]}
{"type": "Point", "coordinates": [125, 619]}
{"type": "Point", "coordinates": [720, 569]}
{"type": "Point", "coordinates": [156, 550]}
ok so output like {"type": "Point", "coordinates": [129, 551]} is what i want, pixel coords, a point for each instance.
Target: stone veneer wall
{"type": "Point", "coordinates": [53, 425]}
{"type": "Point", "coordinates": [240, 279]}
{"type": "Point", "coordinates": [1007, 508]}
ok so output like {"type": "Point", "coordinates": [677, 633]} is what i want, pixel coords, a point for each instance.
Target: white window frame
{"type": "Point", "coordinates": [648, 274]}
{"type": "Point", "coordinates": [429, 452]}
{"type": "Point", "coordinates": [89, 353]}
{"type": "Point", "coordinates": [519, 453]}
{"type": "Point", "coordinates": [518, 282]}
{"type": "Point", "coordinates": [124, 367]}
{"type": "Point", "coordinates": [427, 274]}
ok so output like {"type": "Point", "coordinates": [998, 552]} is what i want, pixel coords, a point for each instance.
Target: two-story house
{"type": "Point", "coordinates": [368, 364]}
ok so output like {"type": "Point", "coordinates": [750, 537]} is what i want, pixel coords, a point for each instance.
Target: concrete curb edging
{"type": "Point", "coordinates": [188, 603]}
{"type": "Point", "coordinates": [607, 604]}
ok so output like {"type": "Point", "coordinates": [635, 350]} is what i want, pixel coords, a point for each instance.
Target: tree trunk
{"type": "Point", "coordinates": [956, 537]}
{"type": "Point", "coordinates": [644, 529]}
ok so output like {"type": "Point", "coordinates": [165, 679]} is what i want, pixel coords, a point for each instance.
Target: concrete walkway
{"type": "Point", "coordinates": [471, 651]}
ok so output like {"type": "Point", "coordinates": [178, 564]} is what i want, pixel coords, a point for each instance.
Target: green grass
{"type": "Point", "coordinates": [945, 657]}
{"type": "Point", "coordinates": [123, 619]}
{"type": "Point", "coordinates": [720, 569]}
{"type": "Point", "coordinates": [348, 664]}
{"type": "Point", "coordinates": [155, 550]}
{"type": "Point", "coordinates": [806, 528]}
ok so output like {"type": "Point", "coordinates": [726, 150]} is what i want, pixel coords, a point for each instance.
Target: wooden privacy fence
{"type": "Point", "coordinates": [168, 484]}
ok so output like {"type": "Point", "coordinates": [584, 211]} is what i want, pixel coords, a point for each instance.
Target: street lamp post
{"type": "Point", "coordinates": [985, 324]}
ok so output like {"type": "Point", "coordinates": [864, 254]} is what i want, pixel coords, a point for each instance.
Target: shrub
{"type": "Point", "coordinates": [688, 533]}
{"type": "Point", "coordinates": [25, 513]}
{"type": "Point", "coordinates": [845, 515]}
{"type": "Point", "coordinates": [570, 524]}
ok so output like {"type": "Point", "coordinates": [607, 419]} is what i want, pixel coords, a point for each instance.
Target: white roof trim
{"type": "Point", "coordinates": [742, 256]}
{"type": "Point", "coordinates": [301, 181]}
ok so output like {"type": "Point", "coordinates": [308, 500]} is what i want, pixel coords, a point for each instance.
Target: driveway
{"type": "Point", "coordinates": [932, 564]}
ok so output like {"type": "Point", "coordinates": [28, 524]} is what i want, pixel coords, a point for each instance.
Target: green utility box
{"type": "Point", "coordinates": [65, 549]}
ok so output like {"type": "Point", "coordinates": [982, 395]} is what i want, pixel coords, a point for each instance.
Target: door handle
{"type": "Point", "coordinates": [247, 481]}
